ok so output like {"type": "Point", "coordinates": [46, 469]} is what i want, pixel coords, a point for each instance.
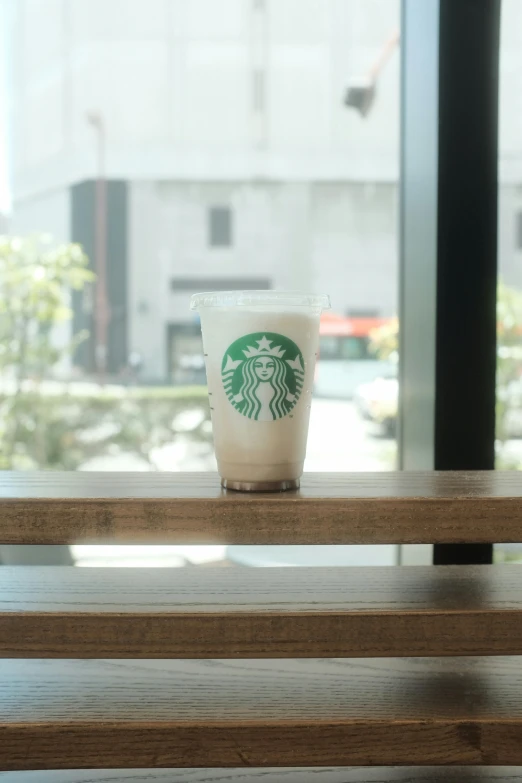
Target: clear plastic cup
{"type": "Point", "coordinates": [260, 350]}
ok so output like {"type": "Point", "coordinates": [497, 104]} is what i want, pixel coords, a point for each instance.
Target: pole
{"type": "Point", "coordinates": [101, 310]}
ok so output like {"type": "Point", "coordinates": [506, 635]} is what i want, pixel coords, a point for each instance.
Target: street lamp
{"type": "Point", "coordinates": [101, 309]}
{"type": "Point", "coordinates": [360, 94]}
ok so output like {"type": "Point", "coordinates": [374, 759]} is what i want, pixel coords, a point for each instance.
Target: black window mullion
{"type": "Point", "coordinates": [465, 389]}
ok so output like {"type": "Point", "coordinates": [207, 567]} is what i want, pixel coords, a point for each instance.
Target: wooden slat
{"type": "Point", "coordinates": [360, 508]}
{"type": "Point", "coordinates": [333, 712]}
{"type": "Point", "coordinates": [257, 613]}
{"type": "Point", "coordinates": [281, 775]}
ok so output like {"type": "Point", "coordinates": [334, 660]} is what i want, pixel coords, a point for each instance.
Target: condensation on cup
{"type": "Point", "coordinates": [260, 350]}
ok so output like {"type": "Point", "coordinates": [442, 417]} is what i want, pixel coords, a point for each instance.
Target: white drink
{"type": "Point", "coordinates": [260, 350]}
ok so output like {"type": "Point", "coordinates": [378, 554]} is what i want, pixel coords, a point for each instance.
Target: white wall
{"type": "Point", "coordinates": [48, 213]}
{"type": "Point", "coordinates": [510, 256]}
{"type": "Point", "coordinates": [354, 234]}
{"type": "Point", "coordinates": [174, 81]}
{"type": "Point", "coordinates": [168, 239]}
{"type": "Point", "coordinates": [510, 97]}
{"type": "Point", "coordinates": [340, 239]}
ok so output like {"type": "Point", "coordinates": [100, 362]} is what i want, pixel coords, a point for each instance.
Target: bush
{"type": "Point", "coordinates": [46, 423]}
{"type": "Point", "coordinates": [59, 426]}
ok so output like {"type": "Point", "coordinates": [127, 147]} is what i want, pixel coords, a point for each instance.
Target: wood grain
{"type": "Point", "coordinates": [66, 612]}
{"type": "Point", "coordinates": [357, 508]}
{"type": "Point", "coordinates": [281, 775]}
{"type": "Point", "coordinates": [100, 714]}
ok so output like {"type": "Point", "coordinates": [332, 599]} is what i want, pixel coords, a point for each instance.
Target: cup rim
{"type": "Point", "coordinates": [259, 298]}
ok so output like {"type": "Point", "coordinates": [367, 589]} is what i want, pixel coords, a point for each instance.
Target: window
{"type": "Point", "coordinates": [243, 167]}
{"type": "Point", "coordinates": [191, 285]}
{"type": "Point", "coordinates": [344, 348]}
{"type": "Point", "coordinates": [219, 227]}
{"type": "Point", "coordinates": [362, 313]}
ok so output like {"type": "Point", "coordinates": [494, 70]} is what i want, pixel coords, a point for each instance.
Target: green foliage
{"type": "Point", "coordinates": [46, 423]}
{"type": "Point", "coordinates": [509, 354]}
{"type": "Point", "coordinates": [385, 342]}
{"type": "Point", "coordinates": [36, 278]}
{"type": "Point", "coordinates": [60, 427]}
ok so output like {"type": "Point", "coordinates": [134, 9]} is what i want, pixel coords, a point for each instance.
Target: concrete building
{"type": "Point", "coordinates": [230, 158]}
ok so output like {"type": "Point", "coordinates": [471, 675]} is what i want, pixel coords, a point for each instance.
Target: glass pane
{"type": "Point", "coordinates": [509, 301]}
{"type": "Point", "coordinates": [184, 146]}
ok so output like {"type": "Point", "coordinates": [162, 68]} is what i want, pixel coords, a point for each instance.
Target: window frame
{"type": "Point", "coordinates": [448, 255]}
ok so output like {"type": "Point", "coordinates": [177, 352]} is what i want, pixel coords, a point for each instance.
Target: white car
{"type": "Point", "coordinates": [378, 401]}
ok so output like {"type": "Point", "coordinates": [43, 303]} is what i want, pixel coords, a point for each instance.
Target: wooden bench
{"type": "Point", "coordinates": [237, 668]}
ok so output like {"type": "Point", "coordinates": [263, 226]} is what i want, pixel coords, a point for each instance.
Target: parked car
{"type": "Point", "coordinates": [378, 402]}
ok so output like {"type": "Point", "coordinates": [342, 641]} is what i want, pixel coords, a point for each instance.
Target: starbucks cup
{"type": "Point", "coordinates": [260, 349]}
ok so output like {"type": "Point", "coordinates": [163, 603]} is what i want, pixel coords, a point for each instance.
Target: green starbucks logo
{"type": "Point", "coordinates": [263, 375]}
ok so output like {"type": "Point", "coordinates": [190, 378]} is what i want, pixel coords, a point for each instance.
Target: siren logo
{"type": "Point", "coordinates": [263, 375]}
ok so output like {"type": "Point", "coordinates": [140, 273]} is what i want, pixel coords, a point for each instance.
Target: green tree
{"type": "Point", "coordinates": [36, 280]}
{"type": "Point", "coordinates": [35, 283]}
{"type": "Point", "coordinates": [385, 342]}
{"type": "Point", "coordinates": [509, 354]}
{"type": "Point", "coordinates": [51, 424]}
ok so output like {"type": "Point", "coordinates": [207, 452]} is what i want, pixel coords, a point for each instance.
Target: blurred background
{"type": "Point", "coordinates": [150, 149]}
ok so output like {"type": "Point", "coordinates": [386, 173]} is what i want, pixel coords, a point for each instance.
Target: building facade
{"type": "Point", "coordinates": [230, 157]}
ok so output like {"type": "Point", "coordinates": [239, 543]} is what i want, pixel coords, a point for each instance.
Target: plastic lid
{"type": "Point", "coordinates": [259, 298]}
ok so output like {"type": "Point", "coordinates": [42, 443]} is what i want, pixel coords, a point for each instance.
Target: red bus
{"type": "Point", "coordinates": [345, 359]}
